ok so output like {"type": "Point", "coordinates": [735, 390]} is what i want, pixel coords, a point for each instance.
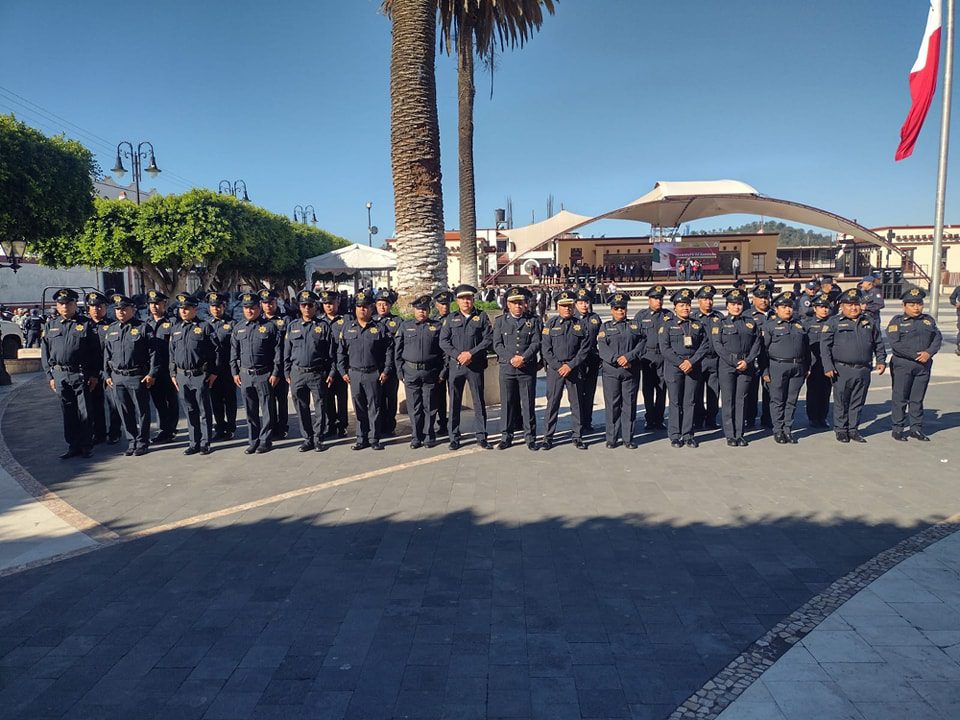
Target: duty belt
{"type": "Point", "coordinates": [855, 365]}
{"type": "Point", "coordinates": [422, 366]}
{"type": "Point", "coordinates": [129, 372]}
{"type": "Point", "coordinates": [322, 368]}
{"type": "Point", "coordinates": [191, 373]}
{"type": "Point", "coordinates": [66, 368]}
{"type": "Point", "coordinates": [367, 369]}
{"type": "Point", "coordinates": [255, 371]}
{"type": "Point", "coordinates": [787, 360]}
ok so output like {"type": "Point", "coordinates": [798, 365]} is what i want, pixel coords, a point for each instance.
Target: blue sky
{"type": "Point", "coordinates": [801, 100]}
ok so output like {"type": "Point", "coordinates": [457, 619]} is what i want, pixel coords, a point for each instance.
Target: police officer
{"type": "Point", "coordinates": [131, 365]}
{"type": "Point", "coordinates": [566, 348]}
{"type": "Point", "coordinates": [591, 323]}
{"type": "Point", "coordinates": [104, 417]}
{"type": "Point", "coordinates": [683, 344]}
{"type": "Point", "coordinates": [516, 340]}
{"type": "Point", "coordinates": [955, 301]}
{"type": "Point", "coordinates": [652, 383]}
{"type": "Point", "coordinates": [32, 329]}
{"type": "Point", "coordinates": [707, 400]}
{"type": "Point", "coordinates": [848, 345]}
{"type": "Point", "coordinates": [620, 345]}
{"type": "Point", "coordinates": [873, 302]}
{"type": "Point", "coordinates": [442, 301]}
{"type": "Point", "coordinates": [271, 312]}
{"type": "Point", "coordinates": [786, 358]}
{"type": "Point", "coordinates": [419, 359]}
{"type": "Point", "coordinates": [914, 340]}
{"type": "Point", "coordinates": [194, 363]}
{"type": "Point", "coordinates": [805, 305]}
{"type": "Point", "coordinates": [309, 357]}
{"type": "Point", "coordinates": [465, 338]}
{"type": "Point", "coordinates": [761, 295]}
{"type": "Point", "coordinates": [391, 323]}
{"type": "Point", "coordinates": [818, 384]}
{"type": "Point", "coordinates": [365, 361]}
{"type": "Point", "coordinates": [256, 361]}
{"type": "Point", "coordinates": [736, 342]}
{"type": "Point", "coordinates": [69, 351]}
{"type": "Point", "coordinates": [162, 392]}
{"type": "Point", "coordinates": [223, 392]}
{"type": "Point", "coordinates": [831, 290]}
{"type": "Point", "coordinates": [335, 399]}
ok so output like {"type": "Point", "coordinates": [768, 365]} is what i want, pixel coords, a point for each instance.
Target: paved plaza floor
{"type": "Point", "coordinates": [483, 584]}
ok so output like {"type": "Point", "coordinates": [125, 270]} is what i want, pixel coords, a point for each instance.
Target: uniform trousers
{"type": "Point", "coordinates": [367, 393]}
{"type": "Point", "coordinates": [304, 386]}
{"type": "Point", "coordinates": [750, 410]}
{"type": "Point", "coordinates": [619, 401]}
{"type": "Point", "coordinates": [682, 390]}
{"type": "Point", "coordinates": [104, 418]}
{"type": "Point", "coordinates": [818, 394]}
{"type": "Point", "coordinates": [707, 400]}
{"type": "Point", "coordinates": [518, 385]}
{"type": "Point", "coordinates": [573, 384]}
{"type": "Point", "coordinates": [195, 396]}
{"type": "Point", "coordinates": [786, 379]}
{"type": "Point", "coordinates": [165, 400]}
{"type": "Point", "coordinates": [849, 395]}
{"type": "Point", "coordinates": [420, 387]}
{"type": "Point", "coordinates": [439, 401]}
{"type": "Point", "coordinates": [588, 389]}
{"type": "Point", "coordinates": [654, 390]}
{"type": "Point", "coordinates": [133, 403]}
{"type": "Point", "coordinates": [734, 386]}
{"type": "Point", "coordinates": [223, 400]}
{"type": "Point", "coordinates": [910, 380]}
{"type": "Point", "coordinates": [389, 411]}
{"type": "Point", "coordinates": [460, 377]}
{"type": "Point", "coordinates": [335, 403]}
{"type": "Point", "coordinates": [281, 408]}
{"type": "Point", "coordinates": [260, 407]}
{"type": "Point", "coordinates": [74, 405]}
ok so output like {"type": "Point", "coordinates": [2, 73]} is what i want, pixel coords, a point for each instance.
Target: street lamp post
{"type": "Point", "coordinates": [371, 228]}
{"type": "Point", "coordinates": [233, 188]}
{"type": "Point", "coordinates": [135, 157]}
{"type": "Point", "coordinates": [13, 250]}
{"type": "Point", "coordinates": [300, 214]}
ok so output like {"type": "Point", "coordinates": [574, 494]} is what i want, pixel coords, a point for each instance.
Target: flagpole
{"type": "Point", "coordinates": [935, 274]}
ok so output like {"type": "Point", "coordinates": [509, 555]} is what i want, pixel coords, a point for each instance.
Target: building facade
{"type": "Point", "coordinates": [915, 243]}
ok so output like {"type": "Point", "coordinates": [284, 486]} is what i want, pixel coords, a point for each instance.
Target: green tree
{"type": "Point", "coordinates": [46, 184]}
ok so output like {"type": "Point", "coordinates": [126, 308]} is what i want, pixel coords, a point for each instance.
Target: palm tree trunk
{"type": "Point", "coordinates": [415, 150]}
{"type": "Point", "coordinates": [468, 194]}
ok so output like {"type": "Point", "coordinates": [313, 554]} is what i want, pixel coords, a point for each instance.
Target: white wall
{"type": "Point", "coordinates": [26, 285]}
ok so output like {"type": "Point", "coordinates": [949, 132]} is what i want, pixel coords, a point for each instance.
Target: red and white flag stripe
{"type": "Point", "coordinates": [923, 82]}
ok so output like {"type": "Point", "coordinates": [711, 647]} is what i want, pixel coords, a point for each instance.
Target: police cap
{"type": "Point", "coordinates": [444, 297]}
{"type": "Point", "coordinates": [821, 300]}
{"type": "Point", "coordinates": [95, 298]}
{"type": "Point", "coordinates": [424, 302]}
{"type": "Point", "coordinates": [706, 291]}
{"type": "Point", "coordinates": [620, 300]}
{"type": "Point", "coordinates": [307, 297]}
{"type": "Point", "coordinates": [267, 294]}
{"type": "Point", "coordinates": [684, 295]}
{"type": "Point", "coordinates": [65, 295]}
{"type": "Point", "coordinates": [328, 297]}
{"type": "Point", "coordinates": [363, 298]}
{"type": "Point", "coordinates": [464, 291]}
{"type": "Point", "coordinates": [216, 298]}
{"type": "Point", "coordinates": [566, 297]}
{"type": "Point", "coordinates": [156, 296]}
{"type": "Point", "coordinates": [851, 297]}
{"type": "Point", "coordinates": [249, 299]}
{"type": "Point", "coordinates": [657, 291]}
{"type": "Point", "coordinates": [518, 294]}
{"type": "Point", "coordinates": [120, 300]}
{"type": "Point", "coordinates": [735, 295]}
{"type": "Point", "coordinates": [785, 299]}
{"type": "Point", "coordinates": [187, 300]}
{"type": "Point", "coordinates": [913, 295]}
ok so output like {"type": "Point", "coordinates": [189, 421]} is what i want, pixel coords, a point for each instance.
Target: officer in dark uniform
{"type": "Point", "coordinates": [465, 337]}
{"type": "Point", "coordinates": [591, 323]}
{"type": "Point", "coordinates": [195, 359]}
{"type": "Point", "coordinates": [708, 389]}
{"type": "Point", "coordinates": [914, 340]}
{"type": "Point", "coordinates": [831, 290]}
{"type": "Point", "coordinates": [131, 365]}
{"type": "Point", "coordinates": [805, 305]}
{"type": "Point", "coordinates": [271, 312]}
{"type": "Point", "coordinates": [683, 344]}
{"type": "Point", "coordinates": [566, 348]}
{"type": "Point", "coordinates": [652, 381]}
{"type": "Point", "coordinates": [418, 358]}
{"type": "Point", "coordinates": [442, 301]}
{"type": "Point", "coordinates": [365, 361]}
{"type": "Point", "coordinates": [309, 357]}
{"type": "Point", "coordinates": [32, 329]}
{"type": "Point", "coordinates": [162, 392]}
{"type": "Point", "coordinates": [391, 323]}
{"type": "Point", "coordinates": [103, 411]}
{"type": "Point", "coordinates": [873, 302]}
{"type": "Point", "coordinates": [786, 358]}
{"type": "Point", "coordinates": [69, 351]}
{"type": "Point", "coordinates": [335, 399]}
{"type": "Point", "coordinates": [848, 345]}
{"type": "Point", "coordinates": [223, 392]}
{"type": "Point", "coordinates": [256, 360]}
{"type": "Point", "coordinates": [818, 384]}
{"type": "Point", "coordinates": [955, 301]}
{"type": "Point", "coordinates": [516, 340]}
{"type": "Point", "coordinates": [736, 342]}
{"type": "Point", "coordinates": [620, 345]}
{"type": "Point", "coordinates": [760, 313]}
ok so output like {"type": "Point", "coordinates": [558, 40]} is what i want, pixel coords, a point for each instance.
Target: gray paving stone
{"type": "Point", "coordinates": [839, 646]}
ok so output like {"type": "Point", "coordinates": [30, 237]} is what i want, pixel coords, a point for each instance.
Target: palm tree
{"type": "Point", "coordinates": [415, 149]}
{"type": "Point", "coordinates": [479, 25]}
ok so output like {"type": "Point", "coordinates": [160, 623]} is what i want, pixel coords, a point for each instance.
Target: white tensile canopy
{"type": "Point", "coordinates": [350, 260]}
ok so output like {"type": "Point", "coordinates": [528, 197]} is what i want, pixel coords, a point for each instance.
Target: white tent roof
{"type": "Point", "coordinates": [350, 259]}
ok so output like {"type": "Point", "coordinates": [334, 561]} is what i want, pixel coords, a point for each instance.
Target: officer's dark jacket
{"type": "Point", "coordinates": [624, 338]}
{"type": "Point", "coordinates": [875, 302]}
{"type": "Point", "coordinates": [132, 346]}
{"type": "Point", "coordinates": [257, 344]}
{"type": "Point", "coordinates": [650, 321]}
{"type": "Point", "coordinates": [101, 327]}
{"type": "Point", "coordinates": [418, 342]}
{"type": "Point", "coordinates": [815, 327]}
{"type": "Point", "coordinates": [709, 320]}
{"type": "Point", "coordinates": [390, 322]}
{"type": "Point", "coordinates": [592, 322]}
{"type": "Point", "coordinates": [784, 340]}
{"type": "Point", "coordinates": [362, 347]}
{"type": "Point", "coordinates": [853, 342]}
{"type": "Point", "coordinates": [445, 368]}
{"type": "Point", "coordinates": [309, 345]}
{"type": "Point", "coordinates": [162, 329]}
{"type": "Point", "coordinates": [565, 342]}
{"type": "Point", "coordinates": [224, 330]}
{"type": "Point", "coordinates": [517, 336]}
{"type": "Point", "coordinates": [909, 336]}
{"type": "Point", "coordinates": [805, 305]}
{"type": "Point", "coordinates": [471, 333]}
{"type": "Point", "coordinates": [671, 336]}
{"type": "Point", "coordinates": [735, 339]}
{"type": "Point", "coordinates": [281, 321]}
{"type": "Point", "coordinates": [194, 346]}
{"type": "Point", "coordinates": [71, 343]}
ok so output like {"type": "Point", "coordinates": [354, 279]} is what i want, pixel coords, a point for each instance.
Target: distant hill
{"type": "Point", "coordinates": [789, 235]}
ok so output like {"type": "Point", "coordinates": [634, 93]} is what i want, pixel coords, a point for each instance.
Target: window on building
{"type": "Point", "coordinates": [943, 258]}
{"type": "Point", "coordinates": [759, 262]}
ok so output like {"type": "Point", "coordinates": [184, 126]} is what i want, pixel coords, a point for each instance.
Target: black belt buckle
{"type": "Point", "coordinates": [366, 369]}
{"type": "Point", "coordinates": [254, 371]}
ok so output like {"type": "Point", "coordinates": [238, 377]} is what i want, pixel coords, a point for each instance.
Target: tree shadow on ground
{"type": "Point", "coordinates": [259, 616]}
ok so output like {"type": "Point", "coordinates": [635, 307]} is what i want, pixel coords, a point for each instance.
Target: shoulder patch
{"type": "Point", "coordinates": [166, 326]}
{"type": "Point", "coordinates": [602, 333]}
{"type": "Point", "coordinates": [546, 331]}
{"type": "Point", "coordinates": [927, 322]}
{"type": "Point", "coordinates": [595, 321]}
{"type": "Point", "coordinates": [749, 325]}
